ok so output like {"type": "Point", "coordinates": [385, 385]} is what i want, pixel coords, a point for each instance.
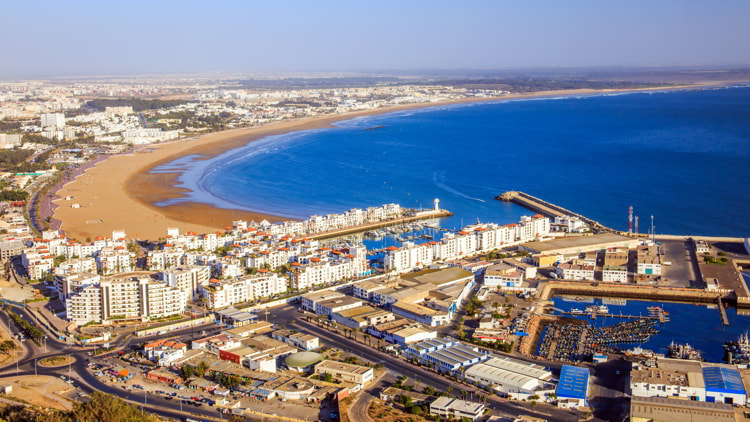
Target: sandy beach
{"type": "Point", "coordinates": [119, 192]}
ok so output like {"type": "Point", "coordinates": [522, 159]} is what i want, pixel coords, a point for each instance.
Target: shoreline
{"type": "Point", "coordinates": [119, 192]}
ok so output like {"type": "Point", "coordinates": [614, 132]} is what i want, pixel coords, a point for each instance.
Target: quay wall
{"type": "Point", "coordinates": [674, 294]}
{"type": "Point", "coordinates": [364, 227]}
{"type": "Point", "coordinates": [547, 208]}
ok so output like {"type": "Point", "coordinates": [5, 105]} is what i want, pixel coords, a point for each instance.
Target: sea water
{"type": "Point", "coordinates": [681, 156]}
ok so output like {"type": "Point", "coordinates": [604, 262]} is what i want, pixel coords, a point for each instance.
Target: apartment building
{"type": "Point", "coordinates": [222, 293]}
{"type": "Point", "coordinates": [115, 260]}
{"type": "Point", "coordinates": [188, 278]}
{"type": "Point", "coordinates": [131, 297]}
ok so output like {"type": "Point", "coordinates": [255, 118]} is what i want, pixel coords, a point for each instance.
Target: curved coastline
{"type": "Point", "coordinates": [130, 193]}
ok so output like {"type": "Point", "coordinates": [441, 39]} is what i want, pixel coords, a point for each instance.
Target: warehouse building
{"type": "Point", "coordinates": [575, 245]}
{"type": "Point", "coordinates": [446, 355]}
{"type": "Point", "coordinates": [573, 388]}
{"type": "Point", "coordinates": [511, 376]}
{"type": "Point", "coordinates": [724, 385]}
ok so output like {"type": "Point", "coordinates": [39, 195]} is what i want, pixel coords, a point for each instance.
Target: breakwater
{"type": "Point", "coordinates": [425, 215]}
{"type": "Point", "coordinates": [673, 294]}
{"type": "Point", "coordinates": [549, 209]}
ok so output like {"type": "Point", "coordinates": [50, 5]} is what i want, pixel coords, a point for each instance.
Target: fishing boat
{"type": "Point", "coordinates": [683, 351]}
{"type": "Point", "coordinates": [639, 351]}
{"type": "Point", "coordinates": [738, 351]}
{"type": "Point", "coordinates": [576, 311]}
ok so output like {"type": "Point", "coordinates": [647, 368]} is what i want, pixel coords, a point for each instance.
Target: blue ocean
{"type": "Point", "coordinates": [681, 156]}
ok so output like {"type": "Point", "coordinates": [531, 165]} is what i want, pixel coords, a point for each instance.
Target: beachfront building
{"type": "Point", "coordinates": [37, 262]}
{"type": "Point", "coordinates": [408, 256]}
{"type": "Point", "coordinates": [115, 260]}
{"type": "Point", "coordinates": [471, 240]}
{"type": "Point", "coordinates": [148, 135]}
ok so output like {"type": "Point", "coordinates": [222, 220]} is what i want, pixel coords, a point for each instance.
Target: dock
{"type": "Point", "coordinates": [723, 311]}
{"type": "Point", "coordinates": [549, 209]}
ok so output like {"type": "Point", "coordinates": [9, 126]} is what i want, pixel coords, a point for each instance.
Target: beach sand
{"type": "Point", "coordinates": [119, 192]}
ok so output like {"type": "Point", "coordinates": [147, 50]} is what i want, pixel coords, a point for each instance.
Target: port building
{"type": "Point", "coordinates": [446, 355]}
{"type": "Point", "coordinates": [575, 245]}
{"type": "Point", "coordinates": [724, 385]}
{"type": "Point", "coordinates": [573, 388]}
{"type": "Point", "coordinates": [689, 380]}
{"type": "Point", "coordinates": [645, 409]}
{"type": "Point", "coordinates": [506, 375]}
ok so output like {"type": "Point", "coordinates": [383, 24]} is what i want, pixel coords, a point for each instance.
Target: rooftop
{"type": "Point", "coordinates": [342, 367]}
{"type": "Point", "coordinates": [577, 241]}
{"type": "Point", "coordinates": [574, 382]}
{"type": "Point", "coordinates": [302, 359]}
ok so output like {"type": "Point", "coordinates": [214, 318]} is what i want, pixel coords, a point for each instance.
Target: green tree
{"type": "Point", "coordinates": [201, 369]}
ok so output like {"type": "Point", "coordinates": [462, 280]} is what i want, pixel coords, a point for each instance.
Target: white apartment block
{"type": "Point", "coordinates": [52, 120]}
{"type": "Point", "coordinates": [220, 294]}
{"type": "Point", "coordinates": [8, 140]}
{"type": "Point", "coordinates": [105, 300]}
{"type": "Point", "coordinates": [408, 256]}
{"type": "Point", "coordinates": [115, 260]}
{"type": "Point", "coordinates": [188, 279]}
{"type": "Point", "coordinates": [469, 241]}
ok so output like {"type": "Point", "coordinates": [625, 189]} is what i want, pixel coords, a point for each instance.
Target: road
{"type": "Point", "coordinates": [89, 383]}
{"type": "Point", "coordinates": [430, 378]}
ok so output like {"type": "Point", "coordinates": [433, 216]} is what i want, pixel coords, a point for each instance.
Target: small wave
{"type": "Point", "coordinates": [439, 178]}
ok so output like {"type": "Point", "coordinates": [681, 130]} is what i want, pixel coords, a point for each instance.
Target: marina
{"type": "Point", "coordinates": [688, 323]}
{"type": "Point", "coordinates": [574, 341]}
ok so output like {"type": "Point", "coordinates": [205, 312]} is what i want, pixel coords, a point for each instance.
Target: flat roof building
{"type": "Point", "coordinates": [579, 244]}
{"type": "Point", "coordinates": [346, 372]}
{"type": "Point", "coordinates": [646, 409]}
{"type": "Point", "coordinates": [506, 375]}
{"type": "Point", "coordinates": [573, 388]}
{"type": "Point", "coordinates": [450, 408]}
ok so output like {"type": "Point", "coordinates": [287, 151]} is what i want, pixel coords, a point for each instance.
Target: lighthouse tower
{"type": "Point", "coordinates": [436, 204]}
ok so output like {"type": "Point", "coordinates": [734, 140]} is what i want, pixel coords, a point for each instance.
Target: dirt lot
{"type": "Point", "coordinates": [4, 336]}
{"type": "Point", "coordinates": [380, 412]}
{"type": "Point", "coordinates": [41, 390]}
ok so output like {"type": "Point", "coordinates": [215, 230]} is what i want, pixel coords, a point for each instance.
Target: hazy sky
{"type": "Point", "coordinates": [45, 38]}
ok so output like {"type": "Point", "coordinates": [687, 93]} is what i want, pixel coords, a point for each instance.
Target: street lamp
{"type": "Point", "coordinates": [35, 366]}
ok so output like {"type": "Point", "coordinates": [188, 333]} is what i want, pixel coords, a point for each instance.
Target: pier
{"type": "Point", "coordinates": [723, 311]}
{"type": "Point", "coordinates": [656, 316]}
{"type": "Point", "coordinates": [424, 215]}
{"type": "Point", "coordinates": [549, 209]}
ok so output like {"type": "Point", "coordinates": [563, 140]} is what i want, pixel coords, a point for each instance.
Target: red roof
{"type": "Point", "coordinates": [463, 232]}
{"type": "Point", "coordinates": [296, 264]}
{"type": "Point", "coordinates": [262, 270]}
{"type": "Point", "coordinates": [391, 248]}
